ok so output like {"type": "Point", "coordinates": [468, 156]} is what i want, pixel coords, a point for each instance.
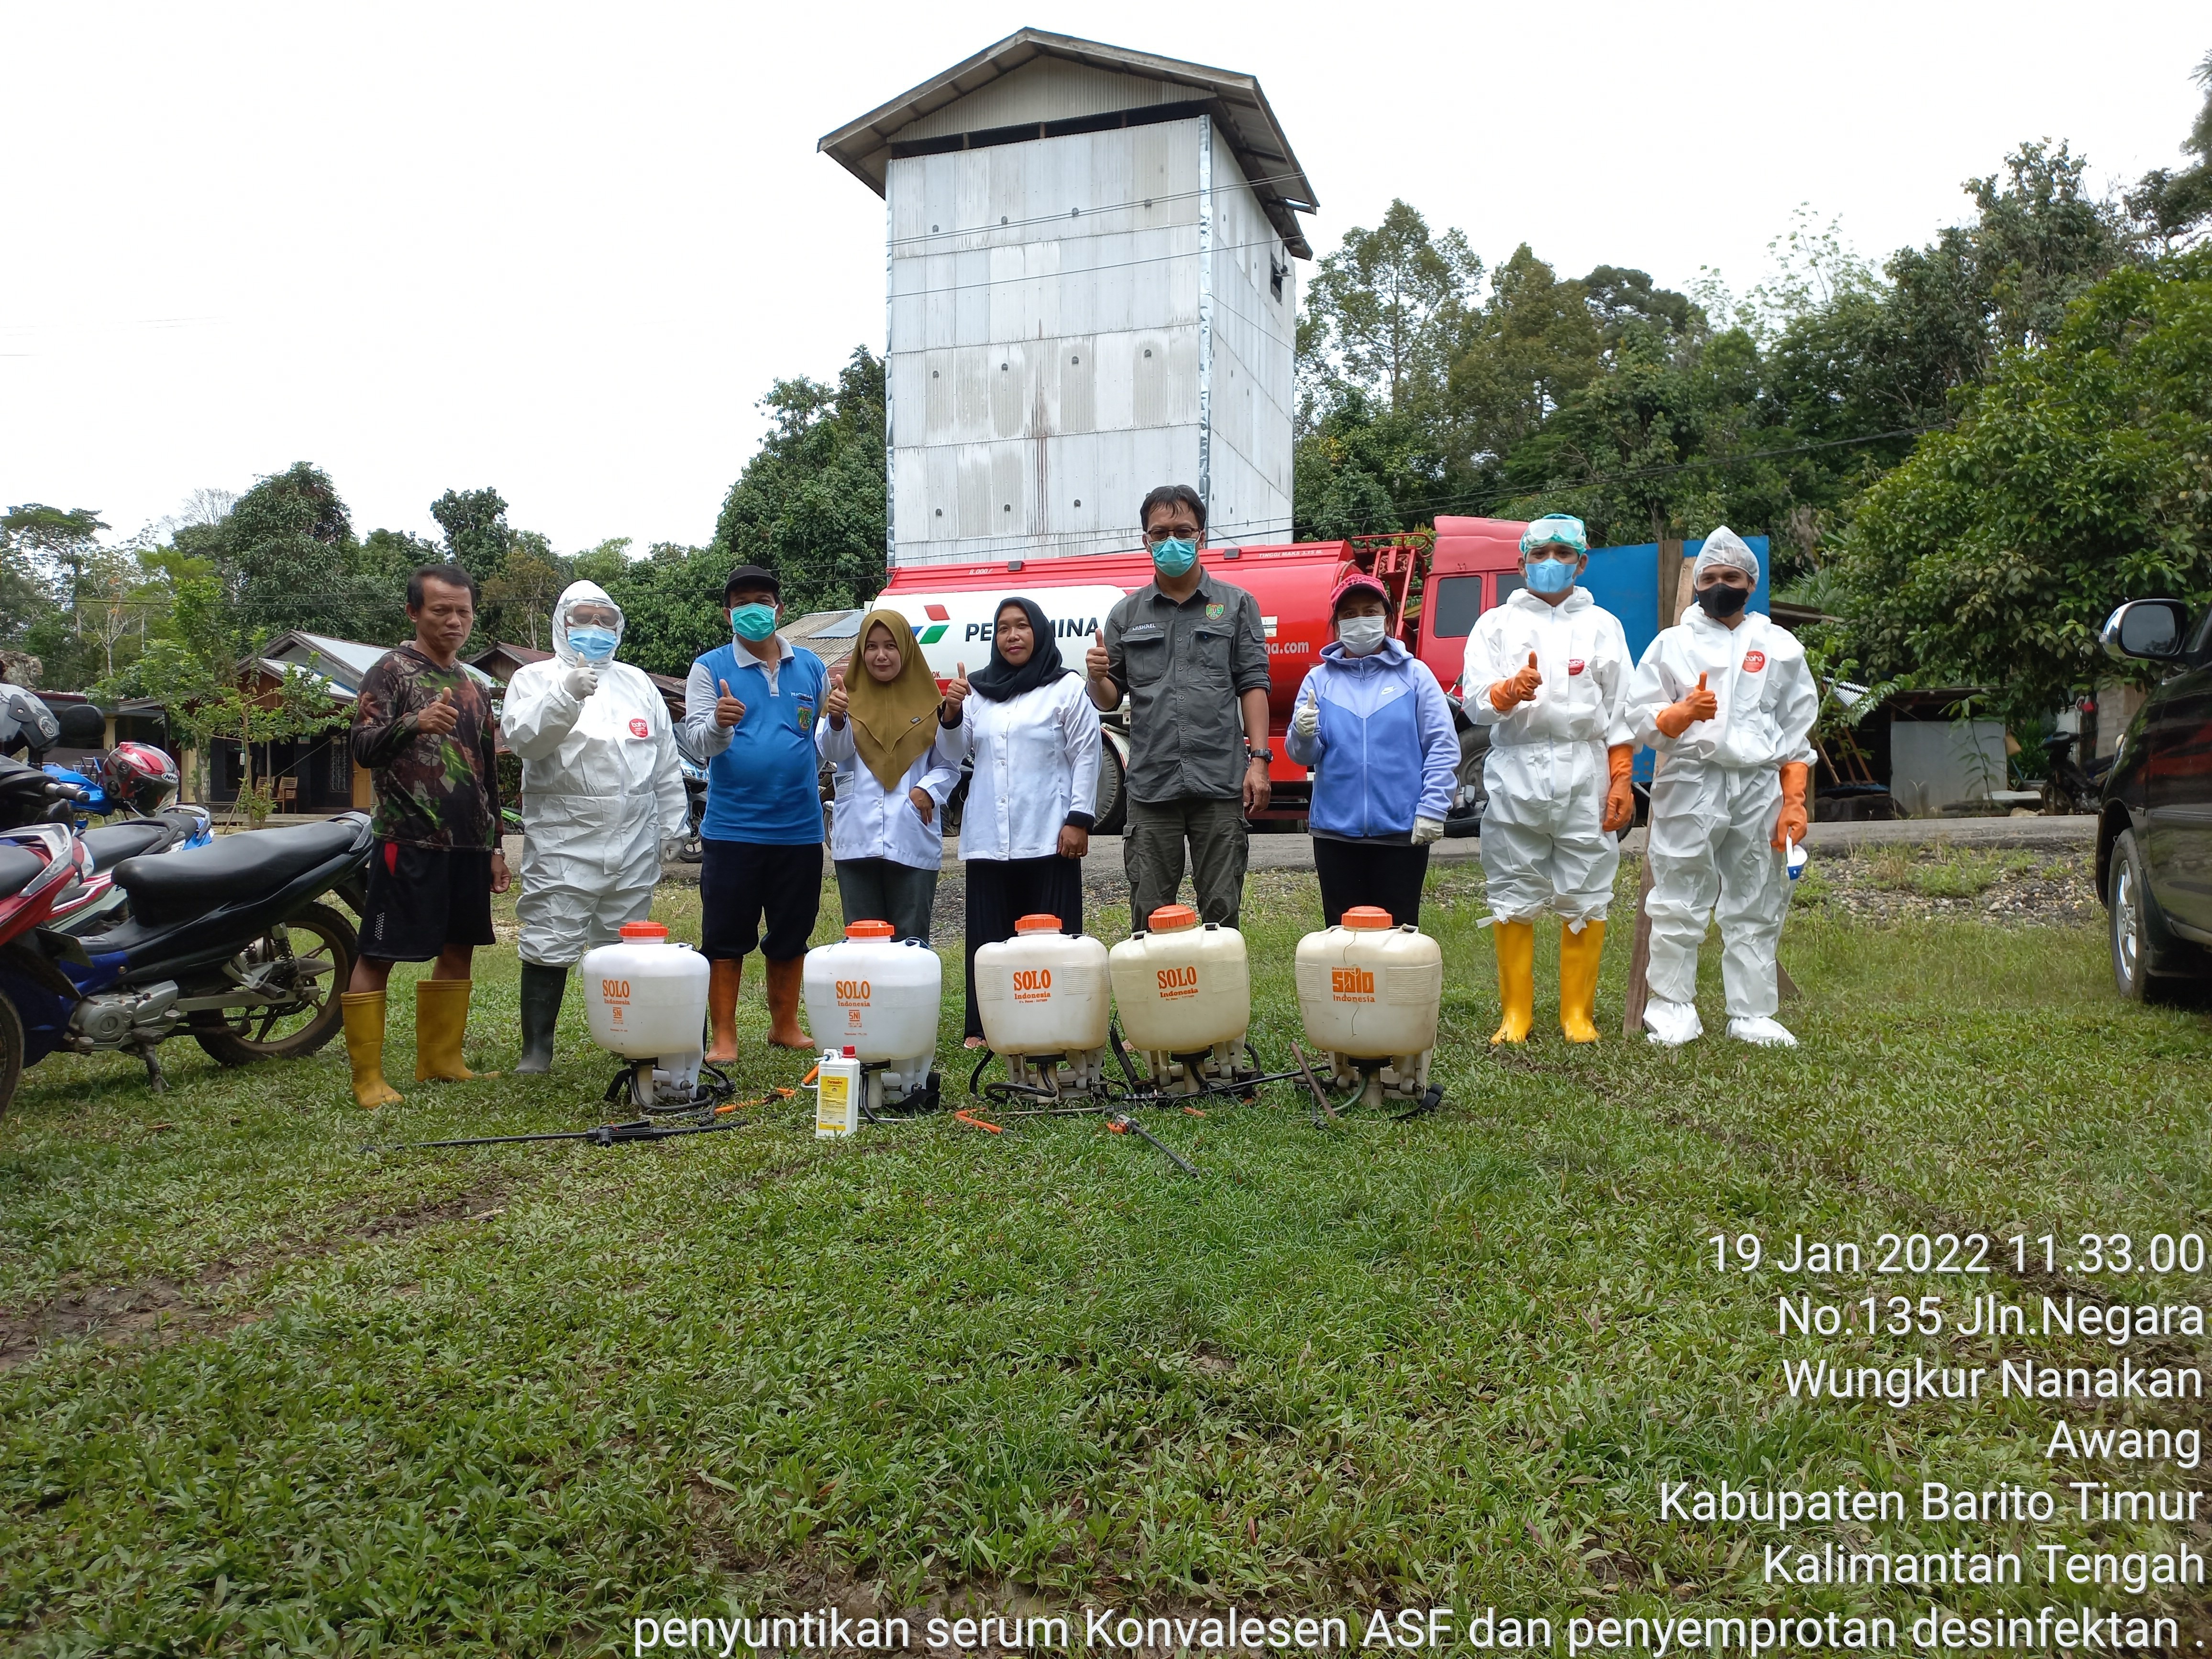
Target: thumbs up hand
{"type": "Point", "coordinates": [837, 703]}
{"type": "Point", "coordinates": [1695, 705]}
{"type": "Point", "coordinates": [956, 692]}
{"type": "Point", "coordinates": [439, 718]}
{"type": "Point", "coordinates": [728, 711]}
{"type": "Point", "coordinates": [1703, 705]}
{"type": "Point", "coordinates": [1517, 687]}
{"type": "Point", "coordinates": [1094, 659]}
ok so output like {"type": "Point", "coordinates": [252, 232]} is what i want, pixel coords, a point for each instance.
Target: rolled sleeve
{"type": "Point", "coordinates": [1249, 650]}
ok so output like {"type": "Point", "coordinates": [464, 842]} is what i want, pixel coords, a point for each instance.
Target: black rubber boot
{"type": "Point", "coordinates": [542, 990]}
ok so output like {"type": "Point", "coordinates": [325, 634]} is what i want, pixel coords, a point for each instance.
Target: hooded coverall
{"type": "Point", "coordinates": [1716, 798]}
{"type": "Point", "coordinates": [1546, 772]}
{"type": "Point", "coordinates": [601, 787]}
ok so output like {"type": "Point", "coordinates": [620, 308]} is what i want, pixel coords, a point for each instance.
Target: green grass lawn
{"type": "Point", "coordinates": [267, 1392]}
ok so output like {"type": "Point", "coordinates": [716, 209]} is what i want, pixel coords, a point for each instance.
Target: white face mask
{"type": "Point", "coordinates": [1362, 637]}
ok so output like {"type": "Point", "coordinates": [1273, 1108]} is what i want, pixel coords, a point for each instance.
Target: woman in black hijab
{"type": "Point", "coordinates": [1033, 734]}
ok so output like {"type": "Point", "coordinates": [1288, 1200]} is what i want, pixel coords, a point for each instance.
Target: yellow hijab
{"type": "Point", "coordinates": [892, 724]}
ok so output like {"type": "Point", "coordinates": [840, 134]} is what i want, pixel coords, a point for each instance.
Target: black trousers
{"type": "Point", "coordinates": [1001, 892]}
{"type": "Point", "coordinates": [1386, 874]}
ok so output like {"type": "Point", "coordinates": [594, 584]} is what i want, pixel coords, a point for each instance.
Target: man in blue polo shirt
{"type": "Point", "coordinates": [749, 707]}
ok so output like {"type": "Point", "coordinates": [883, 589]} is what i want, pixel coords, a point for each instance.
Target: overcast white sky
{"type": "Point", "coordinates": [561, 250]}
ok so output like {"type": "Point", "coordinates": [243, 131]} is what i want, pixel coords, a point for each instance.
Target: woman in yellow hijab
{"type": "Point", "coordinates": [884, 737]}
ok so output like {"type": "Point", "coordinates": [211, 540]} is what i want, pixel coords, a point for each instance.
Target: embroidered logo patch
{"type": "Point", "coordinates": [806, 717]}
{"type": "Point", "coordinates": [1574, 666]}
{"type": "Point", "coordinates": [1213, 612]}
{"type": "Point", "coordinates": [1753, 661]}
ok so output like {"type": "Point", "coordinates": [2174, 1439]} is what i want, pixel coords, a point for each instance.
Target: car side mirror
{"type": "Point", "coordinates": [2149, 628]}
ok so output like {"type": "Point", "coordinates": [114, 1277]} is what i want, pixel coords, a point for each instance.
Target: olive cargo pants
{"type": "Point", "coordinates": [1152, 856]}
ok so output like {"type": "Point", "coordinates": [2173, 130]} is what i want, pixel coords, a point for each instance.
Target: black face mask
{"type": "Point", "coordinates": [1721, 601]}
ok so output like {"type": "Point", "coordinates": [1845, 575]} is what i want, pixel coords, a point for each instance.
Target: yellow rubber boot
{"type": "Point", "coordinates": [1517, 980]}
{"type": "Point", "coordinates": [1579, 955]}
{"type": "Point", "coordinates": [441, 1020]}
{"type": "Point", "coordinates": [364, 1035]}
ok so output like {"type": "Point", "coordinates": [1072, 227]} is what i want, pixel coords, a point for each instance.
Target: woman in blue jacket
{"type": "Point", "coordinates": [1373, 724]}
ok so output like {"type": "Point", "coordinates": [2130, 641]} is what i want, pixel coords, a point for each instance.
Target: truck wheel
{"type": "Point", "coordinates": [2146, 961]}
{"type": "Point", "coordinates": [313, 956]}
{"type": "Point", "coordinates": [11, 1052]}
{"type": "Point", "coordinates": [1112, 813]}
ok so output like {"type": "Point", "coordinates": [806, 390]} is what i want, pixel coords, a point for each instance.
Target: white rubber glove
{"type": "Point", "coordinates": [1426, 831]}
{"type": "Point", "coordinates": [1307, 720]}
{"type": "Point", "coordinates": [580, 679]}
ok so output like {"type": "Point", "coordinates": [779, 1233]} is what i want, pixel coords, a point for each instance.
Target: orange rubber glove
{"type": "Point", "coordinates": [1792, 824]}
{"type": "Point", "coordinates": [1679, 716]}
{"type": "Point", "coordinates": [1620, 794]}
{"type": "Point", "coordinates": [1507, 695]}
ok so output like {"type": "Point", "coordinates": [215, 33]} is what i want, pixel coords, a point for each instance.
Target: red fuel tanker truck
{"type": "Point", "coordinates": [1442, 580]}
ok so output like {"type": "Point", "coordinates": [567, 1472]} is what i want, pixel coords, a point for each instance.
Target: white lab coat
{"type": "Point", "coordinates": [1036, 761]}
{"type": "Point", "coordinates": [1545, 773]}
{"type": "Point", "coordinates": [601, 787]}
{"type": "Point", "coordinates": [872, 822]}
{"type": "Point", "coordinates": [1715, 799]}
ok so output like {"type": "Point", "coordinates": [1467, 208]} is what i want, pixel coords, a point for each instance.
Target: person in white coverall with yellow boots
{"type": "Point", "coordinates": [1548, 672]}
{"type": "Point", "coordinates": [601, 789]}
{"type": "Point", "coordinates": [1728, 701]}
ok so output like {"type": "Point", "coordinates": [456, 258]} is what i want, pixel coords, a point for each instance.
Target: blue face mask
{"type": "Point", "coordinates": [1174, 556]}
{"type": "Point", "coordinates": [1550, 575]}
{"type": "Point", "coordinates": [592, 644]}
{"type": "Point", "coordinates": [753, 621]}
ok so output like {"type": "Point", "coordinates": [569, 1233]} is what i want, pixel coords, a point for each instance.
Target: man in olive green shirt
{"type": "Point", "coordinates": [1190, 653]}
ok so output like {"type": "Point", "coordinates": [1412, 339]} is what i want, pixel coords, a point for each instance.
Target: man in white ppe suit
{"type": "Point", "coordinates": [1547, 672]}
{"type": "Point", "coordinates": [601, 788]}
{"type": "Point", "coordinates": [1728, 701]}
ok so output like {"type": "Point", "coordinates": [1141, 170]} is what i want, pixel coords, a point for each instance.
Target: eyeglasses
{"type": "Point", "coordinates": [1185, 531]}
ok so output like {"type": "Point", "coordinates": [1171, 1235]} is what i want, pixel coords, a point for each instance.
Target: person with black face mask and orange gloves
{"type": "Point", "coordinates": [1727, 699]}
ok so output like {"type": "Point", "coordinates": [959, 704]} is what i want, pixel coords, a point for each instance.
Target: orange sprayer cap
{"type": "Point", "coordinates": [1038, 924]}
{"type": "Point", "coordinates": [869, 930]}
{"type": "Point", "coordinates": [1367, 915]}
{"type": "Point", "coordinates": [1173, 919]}
{"type": "Point", "coordinates": [642, 930]}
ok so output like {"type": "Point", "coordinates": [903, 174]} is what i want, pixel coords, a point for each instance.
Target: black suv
{"type": "Point", "coordinates": [2155, 830]}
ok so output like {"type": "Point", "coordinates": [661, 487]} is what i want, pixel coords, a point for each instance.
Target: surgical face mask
{"type": "Point", "coordinates": [1173, 555]}
{"type": "Point", "coordinates": [1549, 575]}
{"type": "Point", "coordinates": [753, 621]}
{"type": "Point", "coordinates": [1721, 601]}
{"type": "Point", "coordinates": [592, 644]}
{"type": "Point", "coordinates": [1361, 637]}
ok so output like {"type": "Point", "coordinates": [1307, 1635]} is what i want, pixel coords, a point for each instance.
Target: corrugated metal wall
{"type": "Point", "coordinates": [1044, 341]}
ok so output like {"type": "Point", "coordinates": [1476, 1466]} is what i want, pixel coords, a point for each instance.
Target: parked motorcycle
{"type": "Point", "coordinates": [229, 944]}
{"type": "Point", "coordinates": [2070, 787]}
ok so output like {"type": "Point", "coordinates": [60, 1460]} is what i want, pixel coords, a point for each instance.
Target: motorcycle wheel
{"type": "Point", "coordinates": [323, 968]}
{"type": "Point", "coordinates": [11, 1052]}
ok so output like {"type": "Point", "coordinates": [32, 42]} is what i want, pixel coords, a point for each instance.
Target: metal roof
{"type": "Point", "coordinates": [863, 147]}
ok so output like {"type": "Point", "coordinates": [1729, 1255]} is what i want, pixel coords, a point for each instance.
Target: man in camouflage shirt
{"type": "Point", "coordinates": [424, 729]}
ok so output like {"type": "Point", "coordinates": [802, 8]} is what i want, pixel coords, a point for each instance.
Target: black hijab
{"type": "Point", "coordinates": [999, 679]}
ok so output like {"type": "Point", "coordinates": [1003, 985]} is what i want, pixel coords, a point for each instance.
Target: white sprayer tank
{"type": "Point", "coordinates": [1046, 993]}
{"type": "Point", "coordinates": [1183, 990]}
{"type": "Point", "coordinates": [1369, 991]}
{"type": "Point", "coordinates": [646, 1000]}
{"type": "Point", "coordinates": [879, 998]}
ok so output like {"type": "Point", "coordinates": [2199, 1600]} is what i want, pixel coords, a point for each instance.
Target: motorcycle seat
{"type": "Point", "coordinates": [18, 867]}
{"type": "Point", "coordinates": [255, 865]}
{"type": "Point", "coordinates": [115, 843]}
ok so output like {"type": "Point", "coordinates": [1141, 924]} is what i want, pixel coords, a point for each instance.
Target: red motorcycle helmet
{"type": "Point", "coordinates": [139, 776]}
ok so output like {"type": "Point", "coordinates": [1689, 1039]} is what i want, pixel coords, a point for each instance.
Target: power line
{"type": "Point", "coordinates": [1086, 270]}
{"type": "Point", "coordinates": [1055, 218]}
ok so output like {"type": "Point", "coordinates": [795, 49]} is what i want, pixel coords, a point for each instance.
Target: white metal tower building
{"type": "Point", "coordinates": [1092, 291]}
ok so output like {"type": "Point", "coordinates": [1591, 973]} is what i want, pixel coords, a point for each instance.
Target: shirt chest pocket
{"type": "Point", "coordinates": [1145, 654]}
{"type": "Point", "coordinates": [1209, 655]}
